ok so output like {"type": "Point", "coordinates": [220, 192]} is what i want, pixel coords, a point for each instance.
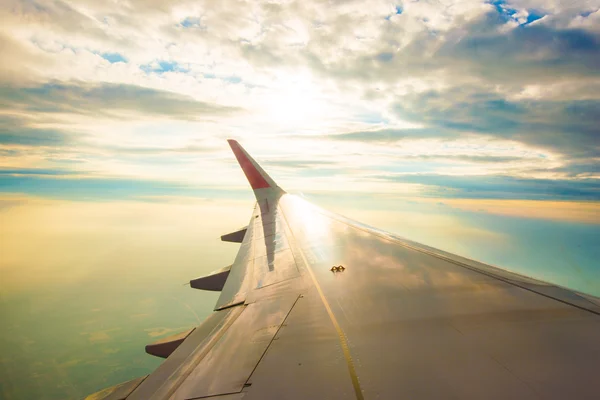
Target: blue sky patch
{"type": "Point", "coordinates": [508, 13]}
{"type": "Point", "coordinates": [534, 16]}
{"type": "Point", "coordinates": [586, 14]}
{"type": "Point", "coordinates": [113, 57]}
{"type": "Point", "coordinates": [190, 22]}
{"type": "Point", "coordinates": [107, 189]}
{"type": "Point", "coordinates": [397, 11]}
{"type": "Point", "coordinates": [503, 9]}
{"type": "Point", "coordinates": [232, 79]}
{"type": "Point", "coordinates": [162, 67]}
{"type": "Point", "coordinates": [228, 78]}
{"type": "Point", "coordinates": [385, 57]}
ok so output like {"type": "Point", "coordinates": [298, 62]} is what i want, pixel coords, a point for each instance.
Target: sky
{"type": "Point", "coordinates": [471, 126]}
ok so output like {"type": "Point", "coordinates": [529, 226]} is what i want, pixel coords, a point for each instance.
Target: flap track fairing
{"type": "Point", "coordinates": [213, 281]}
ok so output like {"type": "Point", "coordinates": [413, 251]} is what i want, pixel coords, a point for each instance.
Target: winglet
{"type": "Point", "coordinates": [256, 176]}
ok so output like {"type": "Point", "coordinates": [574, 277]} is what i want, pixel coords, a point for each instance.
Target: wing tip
{"type": "Point", "coordinates": [257, 178]}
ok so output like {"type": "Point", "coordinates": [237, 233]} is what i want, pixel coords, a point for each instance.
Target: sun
{"type": "Point", "coordinates": [296, 102]}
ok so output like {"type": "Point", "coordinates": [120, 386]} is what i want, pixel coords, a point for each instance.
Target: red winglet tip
{"type": "Point", "coordinates": [255, 178]}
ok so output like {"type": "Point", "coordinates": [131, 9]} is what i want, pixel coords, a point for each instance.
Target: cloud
{"type": "Point", "coordinates": [150, 89]}
{"type": "Point", "coordinates": [521, 53]}
{"type": "Point", "coordinates": [571, 211]}
{"type": "Point", "coordinates": [106, 99]}
{"type": "Point", "coordinates": [393, 135]}
{"type": "Point", "coordinates": [587, 168]}
{"type": "Point", "coordinates": [25, 132]}
{"type": "Point", "coordinates": [537, 123]}
{"type": "Point", "coordinates": [502, 187]}
{"type": "Point", "coordinates": [100, 336]}
{"type": "Point", "coordinates": [479, 45]}
{"type": "Point", "coordinates": [60, 184]}
{"type": "Point", "coordinates": [162, 331]}
{"type": "Point", "coordinates": [18, 70]}
{"type": "Point", "coordinates": [478, 159]}
{"type": "Point", "coordinates": [53, 13]}
{"type": "Point", "coordinates": [298, 163]}
{"type": "Point", "coordinates": [35, 171]}
{"type": "Point", "coordinates": [147, 151]}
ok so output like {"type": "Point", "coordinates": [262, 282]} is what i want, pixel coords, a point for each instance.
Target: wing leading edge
{"type": "Point", "coordinates": [400, 320]}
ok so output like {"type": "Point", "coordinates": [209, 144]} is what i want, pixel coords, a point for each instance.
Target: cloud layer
{"type": "Point", "coordinates": [485, 99]}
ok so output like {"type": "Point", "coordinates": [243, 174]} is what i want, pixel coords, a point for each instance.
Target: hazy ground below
{"type": "Point", "coordinates": [85, 285]}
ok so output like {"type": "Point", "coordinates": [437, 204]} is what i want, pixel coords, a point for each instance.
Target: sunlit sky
{"type": "Point", "coordinates": [451, 99]}
{"type": "Point", "coordinates": [472, 126]}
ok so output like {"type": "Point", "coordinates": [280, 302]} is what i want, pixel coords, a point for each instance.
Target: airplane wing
{"type": "Point", "coordinates": [318, 306]}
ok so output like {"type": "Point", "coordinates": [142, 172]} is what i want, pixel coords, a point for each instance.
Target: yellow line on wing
{"type": "Point", "coordinates": [342, 337]}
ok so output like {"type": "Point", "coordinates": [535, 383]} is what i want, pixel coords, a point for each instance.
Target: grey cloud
{"type": "Point", "coordinates": [57, 15]}
{"type": "Point", "coordinates": [103, 188]}
{"type": "Point", "coordinates": [504, 187]}
{"type": "Point", "coordinates": [262, 56]}
{"type": "Point", "coordinates": [143, 151]}
{"type": "Point", "coordinates": [392, 135]}
{"type": "Point", "coordinates": [481, 52]}
{"type": "Point", "coordinates": [483, 159]}
{"type": "Point", "coordinates": [16, 67]}
{"type": "Point", "coordinates": [537, 53]}
{"type": "Point", "coordinates": [481, 123]}
{"type": "Point", "coordinates": [299, 164]}
{"type": "Point", "coordinates": [20, 131]}
{"type": "Point", "coordinates": [106, 99]}
{"type": "Point", "coordinates": [36, 171]}
{"type": "Point", "coordinates": [581, 169]}
{"type": "Point", "coordinates": [62, 16]}
{"type": "Point", "coordinates": [571, 128]}
{"type": "Point", "coordinates": [478, 50]}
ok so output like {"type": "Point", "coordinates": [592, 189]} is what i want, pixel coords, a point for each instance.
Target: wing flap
{"type": "Point", "coordinates": [163, 382]}
{"type": "Point", "coordinates": [117, 392]}
{"type": "Point", "coordinates": [230, 362]}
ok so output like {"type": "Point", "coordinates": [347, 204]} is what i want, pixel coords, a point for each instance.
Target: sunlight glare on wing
{"type": "Point", "coordinates": [315, 226]}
